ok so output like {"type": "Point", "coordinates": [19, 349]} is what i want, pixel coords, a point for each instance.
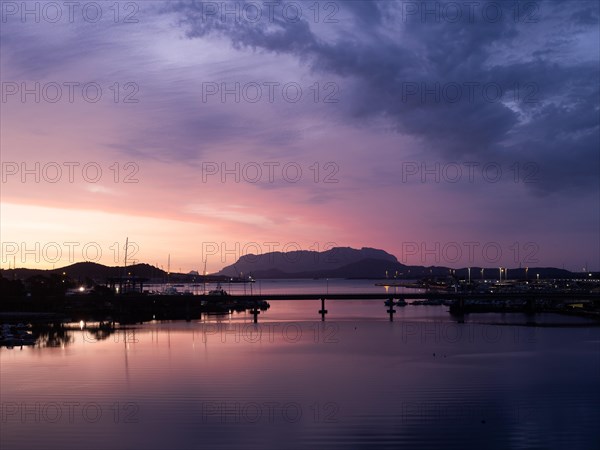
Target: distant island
{"type": "Point", "coordinates": [366, 263]}
{"type": "Point", "coordinates": [338, 262]}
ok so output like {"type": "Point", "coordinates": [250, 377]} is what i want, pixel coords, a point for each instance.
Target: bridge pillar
{"type": "Point", "coordinates": [391, 311]}
{"type": "Point", "coordinates": [322, 311]}
{"type": "Point", "coordinates": [530, 305]}
{"type": "Point", "coordinates": [255, 312]}
{"type": "Point", "coordinates": [457, 309]}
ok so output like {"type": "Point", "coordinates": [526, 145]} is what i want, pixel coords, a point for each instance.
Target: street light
{"type": "Point", "coordinates": [469, 269]}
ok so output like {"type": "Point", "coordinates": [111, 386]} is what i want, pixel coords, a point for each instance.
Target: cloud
{"type": "Point", "coordinates": [533, 102]}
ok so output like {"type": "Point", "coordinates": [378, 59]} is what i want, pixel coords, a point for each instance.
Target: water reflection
{"type": "Point", "coordinates": [223, 382]}
{"type": "Point", "coordinates": [53, 335]}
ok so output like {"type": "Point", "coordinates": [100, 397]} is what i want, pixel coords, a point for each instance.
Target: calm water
{"type": "Point", "coordinates": [292, 381]}
{"type": "Point", "coordinates": [319, 286]}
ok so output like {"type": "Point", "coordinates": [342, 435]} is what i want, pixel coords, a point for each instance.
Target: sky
{"type": "Point", "coordinates": [446, 133]}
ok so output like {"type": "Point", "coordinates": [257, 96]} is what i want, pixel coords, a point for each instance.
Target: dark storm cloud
{"type": "Point", "coordinates": [548, 109]}
{"type": "Point", "coordinates": [585, 16]}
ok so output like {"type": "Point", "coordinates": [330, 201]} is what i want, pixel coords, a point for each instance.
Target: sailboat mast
{"type": "Point", "coordinates": [168, 268]}
{"type": "Point", "coordinates": [204, 279]}
{"type": "Point", "coordinates": [123, 282]}
{"type": "Point", "coordinates": [126, 248]}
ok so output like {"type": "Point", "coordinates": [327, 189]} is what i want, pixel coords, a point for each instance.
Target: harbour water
{"type": "Point", "coordinates": [318, 286]}
{"type": "Point", "coordinates": [292, 381]}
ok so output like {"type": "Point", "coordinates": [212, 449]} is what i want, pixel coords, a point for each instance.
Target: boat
{"type": "Point", "coordinates": [171, 290]}
{"type": "Point", "coordinates": [218, 291]}
{"type": "Point", "coordinates": [400, 302]}
{"type": "Point", "coordinates": [16, 336]}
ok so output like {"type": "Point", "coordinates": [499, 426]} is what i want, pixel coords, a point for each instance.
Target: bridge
{"type": "Point", "coordinates": [458, 298]}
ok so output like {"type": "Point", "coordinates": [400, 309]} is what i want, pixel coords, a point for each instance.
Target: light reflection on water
{"type": "Point", "coordinates": [292, 381]}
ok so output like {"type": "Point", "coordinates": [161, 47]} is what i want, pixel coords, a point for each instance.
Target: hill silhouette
{"type": "Point", "coordinates": [338, 262]}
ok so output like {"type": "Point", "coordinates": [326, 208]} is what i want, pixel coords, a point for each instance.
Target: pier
{"type": "Point", "coordinates": [456, 300]}
{"type": "Point", "coordinates": [423, 295]}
